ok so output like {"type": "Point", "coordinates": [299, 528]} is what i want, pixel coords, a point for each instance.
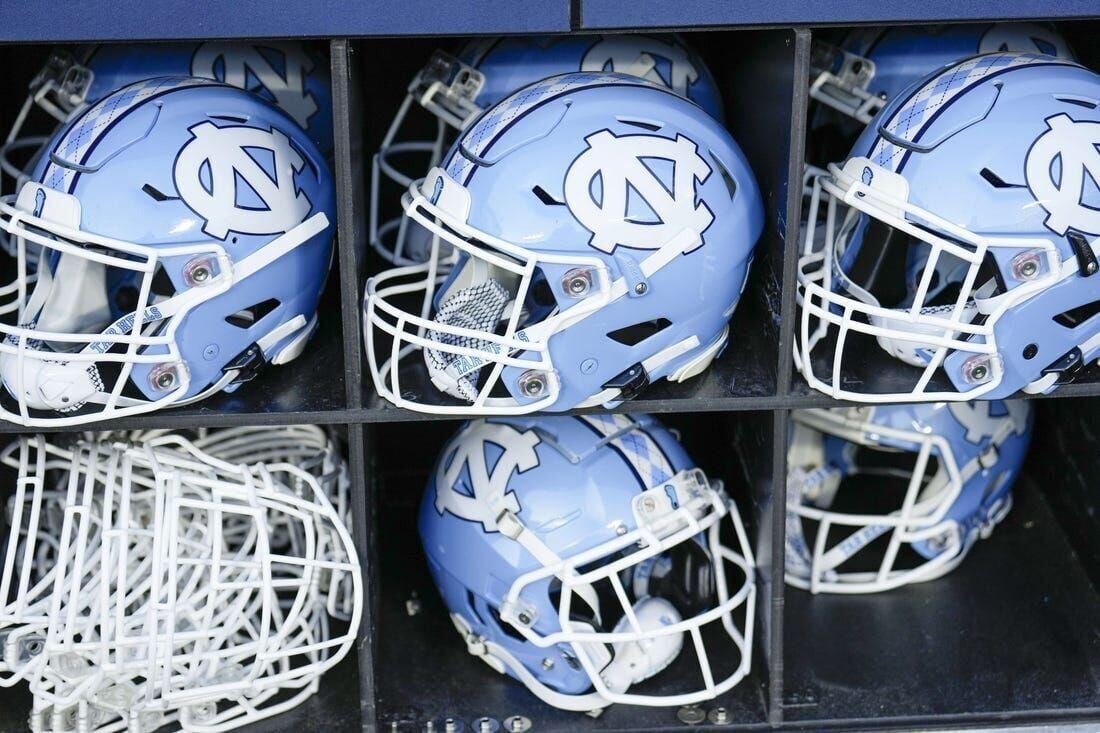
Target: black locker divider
{"type": "Point", "coordinates": [792, 217]}
{"type": "Point", "coordinates": [347, 113]}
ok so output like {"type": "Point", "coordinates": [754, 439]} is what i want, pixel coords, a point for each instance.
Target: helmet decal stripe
{"type": "Point", "coordinates": [910, 119]}
{"type": "Point", "coordinates": [637, 447]}
{"type": "Point", "coordinates": [484, 132]}
{"type": "Point", "coordinates": [84, 133]}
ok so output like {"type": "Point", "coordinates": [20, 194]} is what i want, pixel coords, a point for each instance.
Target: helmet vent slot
{"type": "Point", "coordinates": [156, 194]}
{"type": "Point", "coordinates": [1074, 317]}
{"type": "Point", "coordinates": [643, 124]}
{"type": "Point", "coordinates": [727, 177]}
{"type": "Point", "coordinates": [1085, 102]}
{"type": "Point", "coordinates": [639, 332]}
{"type": "Point", "coordinates": [247, 317]}
{"type": "Point", "coordinates": [545, 197]}
{"type": "Point", "coordinates": [996, 181]}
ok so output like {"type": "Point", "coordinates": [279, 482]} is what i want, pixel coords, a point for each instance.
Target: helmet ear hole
{"type": "Point", "coordinates": [505, 628]}
{"type": "Point", "coordinates": [253, 314]}
{"type": "Point", "coordinates": [639, 332]}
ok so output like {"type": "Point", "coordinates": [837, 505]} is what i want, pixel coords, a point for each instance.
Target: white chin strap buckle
{"type": "Point", "coordinates": [913, 351]}
{"type": "Point", "coordinates": [635, 661]}
{"type": "Point", "coordinates": [49, 385]}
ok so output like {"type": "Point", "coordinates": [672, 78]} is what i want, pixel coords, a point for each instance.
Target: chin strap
{"type": "Point", "coordinates": [502, 661]}
{"type": "Point", "coordinates": [87, 371]}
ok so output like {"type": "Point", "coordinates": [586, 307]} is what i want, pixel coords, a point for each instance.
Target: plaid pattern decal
{"type": "Point", "coordinates": [82, 136]}
{"type": "Point", "coordinates": [635, 445]}
{"type": "Point", "coordinates": [910, 120]}
{"type": "Point", "coordinates": [484, 132]}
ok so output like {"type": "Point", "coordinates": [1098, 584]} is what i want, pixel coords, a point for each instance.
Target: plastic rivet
{"type": "Point", "coordinates": [691, 715]}
{"type": "Point", "coordinates": [719, 716]}
{"type": "Point", "coordinates": [517, 724]}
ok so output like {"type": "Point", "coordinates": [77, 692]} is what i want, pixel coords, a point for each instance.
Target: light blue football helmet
{"type": "Point", "coordinates": [873, 64]}
{"type": "Point", "coordinates": [584, 555]}
{"type": "Point", "coordinates": [880, 497]}
{"type": "Point", "coordinates": [187, 227]}
{"type": "Point", "coordinates": [960, 236]}
{"type": "Point", "coordinates": [455, 90]}
{"type": "Point", "coordinates": [603, 227]}
{"type": "Point", "coordinates": [287, 73]}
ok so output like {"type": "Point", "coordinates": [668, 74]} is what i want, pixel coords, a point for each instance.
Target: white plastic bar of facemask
{"type": "Point", "coordinates": [628, 608]}
{"type": "Point", "coordinates": [513, 322]}
{"type": "Point", "coordinates": [20, 119]}
{"type": "Point", "coordinates": [816, 569]}
{"type": "Point", "coordinates": [430, 281]}
{"type": "Point", "coordinates": [34, 482]}
{"type": "Point", "coordinates": [811, 217]}
{"type": "Point", "coordinates": [911, 493]}
{"type": "Point", "coordinates": [838, 353]}
{"type": "Point", "coordinates": [930, 369]}
{"type": "Point", "coordinates": [703, 659]}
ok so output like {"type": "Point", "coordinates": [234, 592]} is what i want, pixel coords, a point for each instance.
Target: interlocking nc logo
{"type": "Point", "coordinates": [619, 163]}
{"type": "Point", "coordinates": [1074, 145]}
{"type": "Point", "coordinates": [237, 60]}
{"type": "Point", "coordinates": [224, 153]}
{"type": "Point", "coordinates": [621, 54]}
{"type": "Point", "coordinates": [487, 494]}
{"type": "Point", "coordinates": [980, 423]}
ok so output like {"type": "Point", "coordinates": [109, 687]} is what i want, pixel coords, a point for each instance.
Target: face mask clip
{"type": "Point", "coordinates": [62, 86]}
{"type": "Point", "coordinates": [630, 382]}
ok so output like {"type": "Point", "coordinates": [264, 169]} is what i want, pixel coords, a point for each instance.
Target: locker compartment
{"type": "Point", "coordinates": [1008, 635]}
{"type": "Point", "coordinates": [309, 387]}
{"type": "Point", "coordinates": [423, 671]}
{"type": "Point", "coordinates": [754, 72]}
{"type": "Point", "coordinates": [866, 367]}
{"type": "Point", "coordinates": [335, 703]}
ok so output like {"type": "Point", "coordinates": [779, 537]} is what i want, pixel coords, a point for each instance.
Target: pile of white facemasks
{"type": "Point", "coordinates": [200, 581]}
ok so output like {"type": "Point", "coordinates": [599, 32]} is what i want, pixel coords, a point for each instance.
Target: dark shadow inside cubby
{"type": "Point", "coordinates": [754, 71]}
{"type": "Point", "coordinates": [423, 669]}
{"type": "Point", "coordinates": [1013, 633]}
